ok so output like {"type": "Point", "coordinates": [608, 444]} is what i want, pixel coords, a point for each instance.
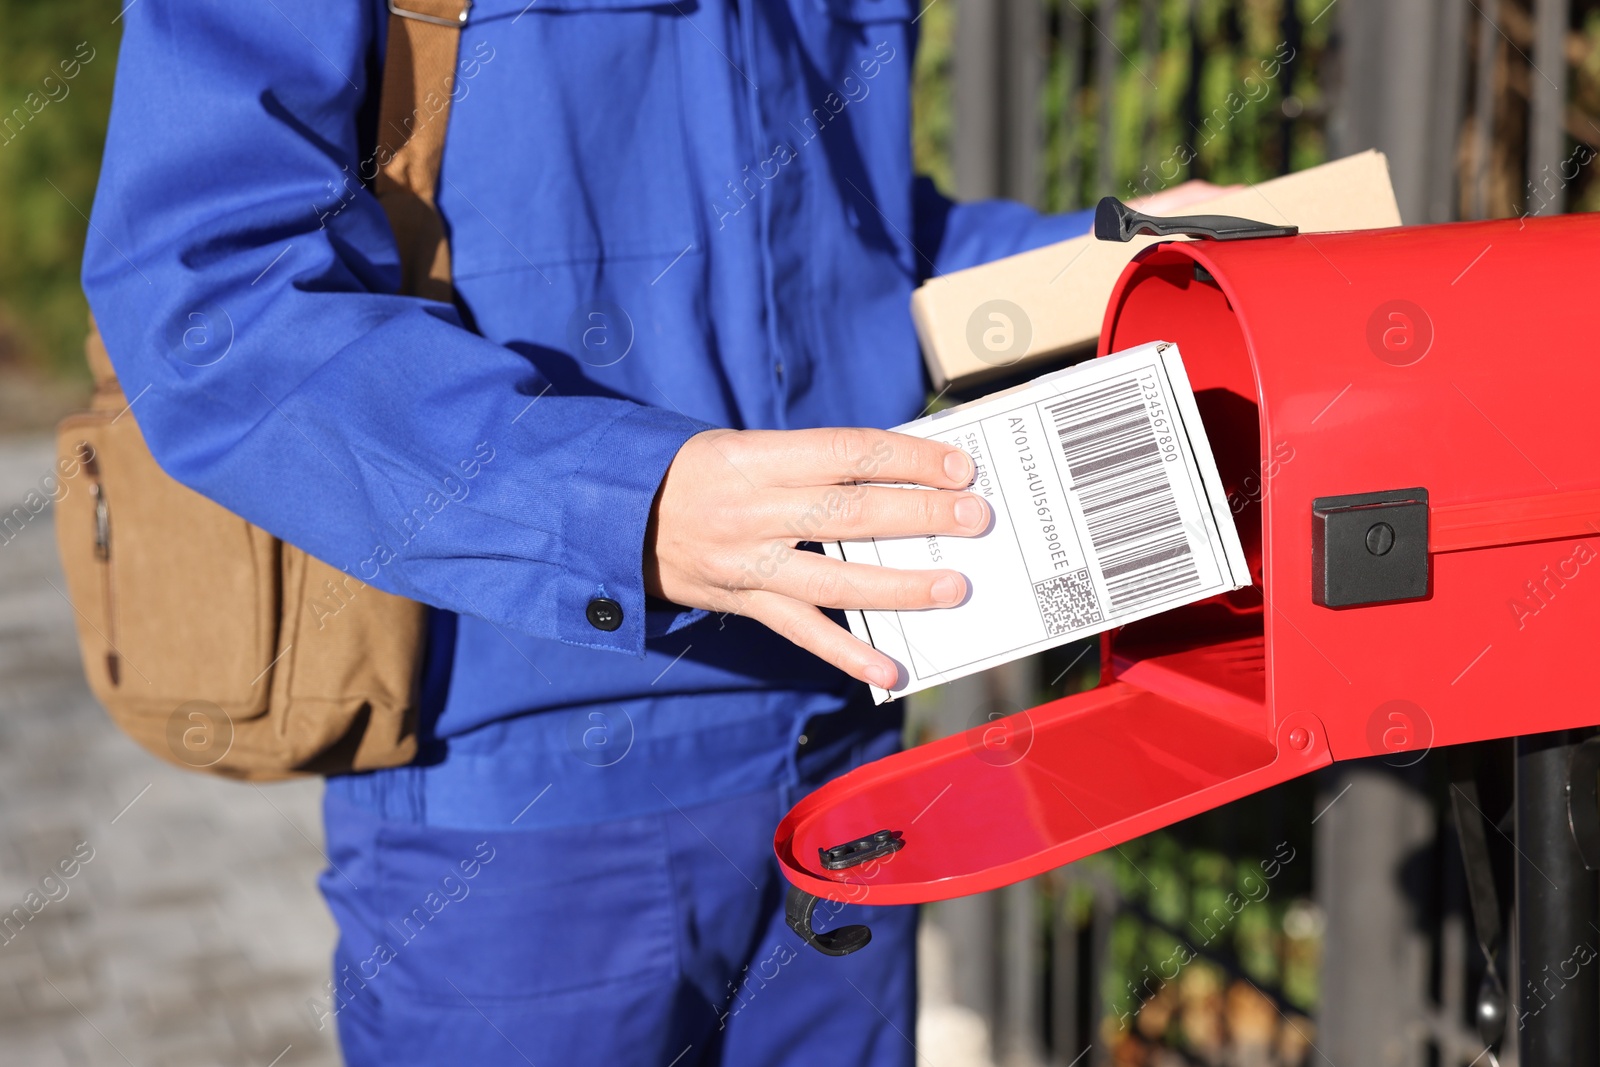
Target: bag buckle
{"type": "Point", "coordinates": [422, 16]}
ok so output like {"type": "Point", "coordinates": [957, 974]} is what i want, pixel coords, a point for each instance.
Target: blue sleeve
{"type": "Point", "coordinates": [965, 235]}
{"type": "Point", "coordinates": [273, 369]}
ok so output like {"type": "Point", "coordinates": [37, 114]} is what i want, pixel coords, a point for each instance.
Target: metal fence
{"type": "Point", "coordinates": [1485, 108]}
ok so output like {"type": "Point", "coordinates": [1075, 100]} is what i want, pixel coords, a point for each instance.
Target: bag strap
{"type": "Point", "coordinates": [419, 75]}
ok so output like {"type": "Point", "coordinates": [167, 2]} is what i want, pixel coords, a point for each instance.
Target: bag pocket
{"type": "Point", "coordinates": [344, 690]}
{"type": "Point", "coordinates": [175, 598]}
{"type": "Point", "coordinates": [209, 641]}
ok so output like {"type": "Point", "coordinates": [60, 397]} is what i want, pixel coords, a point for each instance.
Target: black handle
{"type": "Point", "coordinates": [799, 906]}
{"type": "Point", "coordinates": [1116, 221]}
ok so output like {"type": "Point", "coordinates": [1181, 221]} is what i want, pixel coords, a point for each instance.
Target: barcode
{"type": "Point", "coordinates": [1128, 505]}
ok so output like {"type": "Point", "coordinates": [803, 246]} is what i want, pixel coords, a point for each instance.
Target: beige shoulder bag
{"type": "Point", "coordinates": [211, 643]}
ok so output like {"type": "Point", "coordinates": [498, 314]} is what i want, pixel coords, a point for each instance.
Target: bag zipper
{"type": "Point", "coordinates": [102, 552]}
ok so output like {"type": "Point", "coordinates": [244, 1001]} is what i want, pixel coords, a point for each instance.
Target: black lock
{"type": "Point", "coordinates": [872, 847]}
{"type": "Point", "coordinates": [1369, 548]}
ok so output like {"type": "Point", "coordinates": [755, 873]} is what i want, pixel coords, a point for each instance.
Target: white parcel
{"type": "Point", "coordinates": [1107, 508]}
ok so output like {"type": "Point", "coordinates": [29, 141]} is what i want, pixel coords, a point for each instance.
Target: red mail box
{"type": "Point", "coordinates": [1406, 424]}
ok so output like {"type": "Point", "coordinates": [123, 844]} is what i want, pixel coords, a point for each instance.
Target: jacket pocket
{"type": "Point", "coordinates": [588, 97]}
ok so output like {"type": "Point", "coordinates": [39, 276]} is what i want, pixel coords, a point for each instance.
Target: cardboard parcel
{"type": "Point", "coordinates": [997, 318]}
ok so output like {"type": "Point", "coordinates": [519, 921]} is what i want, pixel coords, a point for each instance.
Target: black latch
{"type": "Point", "coordinates": [1369, 548]}
{"type": "Point", "coordinates": [872, 847]}
{"type": "Point", "coordinates": [798, 909]}
{"type": "Point", "coordinates": [1116, 221]}
{"type": "Point", "coordinates": [800, 906]}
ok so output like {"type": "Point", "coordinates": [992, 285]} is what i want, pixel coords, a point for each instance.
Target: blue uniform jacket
{"type": "Point", "coordinates": [663, 217]}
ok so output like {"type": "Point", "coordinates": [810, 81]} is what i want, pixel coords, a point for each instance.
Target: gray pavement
{"type": "Point", "coordinates": [193, 934]}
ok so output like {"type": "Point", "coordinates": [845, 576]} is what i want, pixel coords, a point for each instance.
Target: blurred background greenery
{"type": "Point", "coordinates": [1197, 51]}
{"type": "Point", "coordinates": [51, 129]}
{"type": "Point", "coordinates": [1179, 61]}
{"type": "Point", "coordinates": [49, 161]}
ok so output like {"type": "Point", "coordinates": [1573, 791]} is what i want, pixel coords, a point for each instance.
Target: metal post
{"type": "Point", "coordinates": [1558, 1003]}
{"type": "Point", "coordinates": [1025, 42]}
{"type": "Point", "coordinates": [977, 148]}
{"type": "Point", "coordinates": [1149, 66]}
{"type": "Point", "coordinates": [995, 937]}
{"type": "Point", "coordinates": [1443, 183]}
{"type": "Point", "coordinates": [1355, 100]}
{"type": "Point", "coordinates": [1399, 93]}
{"type": "Point", "coordinates": [1107, 65]}
{"type": "Point", "coordinates": [999, 65]}
{"type": "Point", "coordinates": [970, 924]}
{"type": "Point", "coordinates": [1547, 118]}
{"type": "Point", "coordinates": [1483, 108]}
{"type": "Point", "coordinates": [1017, 1039]}
{"type": "Point", "coordinates": [1293, 29]}
{"type": "Point", "coordinates": [1407, 106]}
{"type": "Point", "coordinates": [1065, 1033]}
{"type": "Point", "coordinates": [1019, 1003]}
{"type": "Point", "coordinates": [1071, 61]}
{"type": "Point", "coordinates": [1102, 919]}
{"type": "Point", "coordinates": [1372, 823]}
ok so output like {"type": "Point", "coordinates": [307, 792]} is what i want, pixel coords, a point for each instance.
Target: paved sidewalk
{"type": "Point", "coordinates": [194, 935]}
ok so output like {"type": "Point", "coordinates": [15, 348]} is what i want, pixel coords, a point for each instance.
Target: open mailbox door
{"type": "Point", "coordinates": [1405, 421]}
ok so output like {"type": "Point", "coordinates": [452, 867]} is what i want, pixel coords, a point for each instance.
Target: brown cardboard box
{"type": "Point", "coordinates": [997, 318]}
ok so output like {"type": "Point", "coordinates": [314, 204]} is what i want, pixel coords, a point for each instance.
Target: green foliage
{"type": "Point", "coordinates": [1200, 92]}
{"type": "Point", "coordinates": [1201, 919]}
{"type": "Point", "coordinates": [931, 104]}
{"type": "Point", "coordinates": [49, 162]}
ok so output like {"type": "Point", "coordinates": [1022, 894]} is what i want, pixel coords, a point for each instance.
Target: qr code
{"type": "Point", "coordinates": [1068, 602]}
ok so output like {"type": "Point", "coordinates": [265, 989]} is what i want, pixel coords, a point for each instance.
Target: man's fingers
{"type": "Point", "coordinates": [839, 456]}
{"type": "Point", "coordinates": [813, 631]}
{"type": "Point", "coordinates": [854, 512]}
{"type": "Point", "coordinates": [830, 583]}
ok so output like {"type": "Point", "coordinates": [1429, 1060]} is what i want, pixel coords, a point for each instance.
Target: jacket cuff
{"type": "Point", "coordinates": [604, 517]}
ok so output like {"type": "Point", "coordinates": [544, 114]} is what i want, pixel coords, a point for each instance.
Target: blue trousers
{"type": "Point", "coordinates": [656, 939]}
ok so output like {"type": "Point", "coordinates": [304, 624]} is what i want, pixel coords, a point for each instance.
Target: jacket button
{"type": "Point", "coordinates": [604, 613]}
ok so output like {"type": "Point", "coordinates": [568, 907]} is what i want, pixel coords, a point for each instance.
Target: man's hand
{"type": "Point", "coordinates": [735, 503]}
